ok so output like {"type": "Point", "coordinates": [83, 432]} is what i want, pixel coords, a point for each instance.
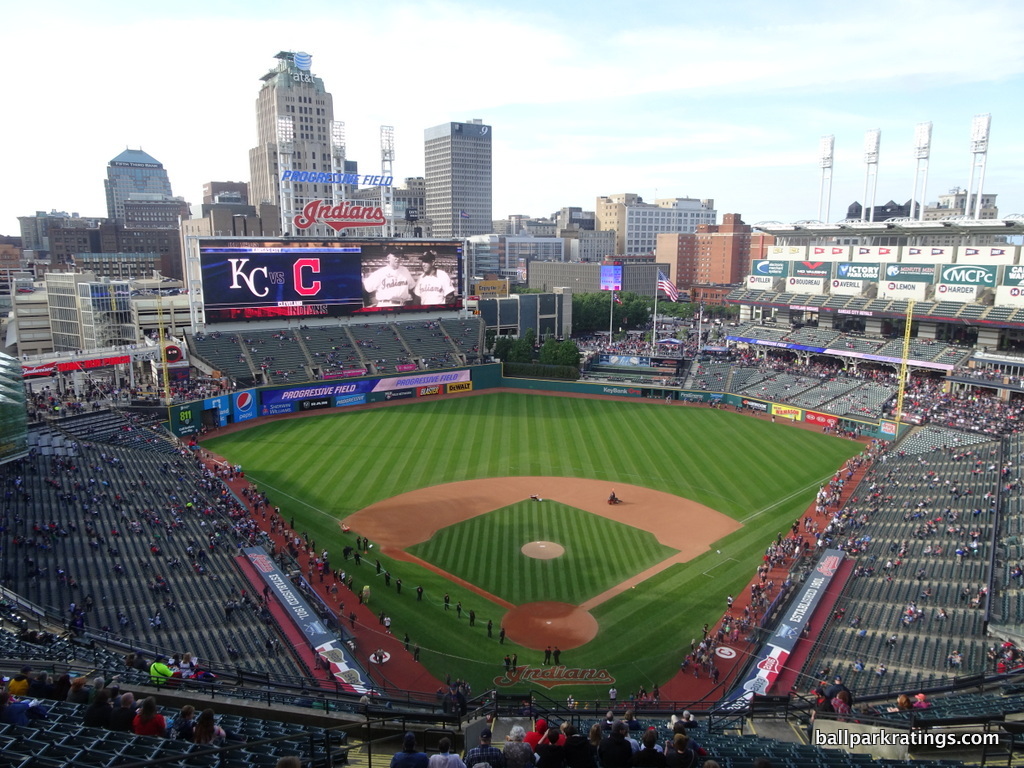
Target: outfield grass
{"type": "Point", "coordinates": [320, 470]}
{"type": "Point", "coordinates": [487, 551]}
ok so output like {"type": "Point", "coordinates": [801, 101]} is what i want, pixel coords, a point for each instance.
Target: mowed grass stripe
{"type": "Point", "coordinates": [586, 569]}
{"type": "Point", "coordinates": [727, 461]}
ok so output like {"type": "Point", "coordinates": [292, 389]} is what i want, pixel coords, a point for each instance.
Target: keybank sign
{"type": "Point", "coordinates": [968, 274]}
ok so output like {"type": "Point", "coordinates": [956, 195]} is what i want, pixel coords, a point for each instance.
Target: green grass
{"type": "Point", "coordinates": [486, 551]}
{"type": "Point", "coordinates": [320, 470]}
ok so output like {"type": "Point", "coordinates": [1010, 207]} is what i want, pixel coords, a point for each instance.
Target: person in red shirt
{"type": "Point", "coordinates": [149, 722]}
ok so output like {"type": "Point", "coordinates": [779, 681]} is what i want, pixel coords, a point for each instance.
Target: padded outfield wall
{"type": "Point", "coordinates": [191, 418]}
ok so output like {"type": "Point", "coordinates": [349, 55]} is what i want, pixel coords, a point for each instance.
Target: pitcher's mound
{"type": "Point", "coordinates": [538, 625]}
{"type": "Point", "coordinates": [543, 550]}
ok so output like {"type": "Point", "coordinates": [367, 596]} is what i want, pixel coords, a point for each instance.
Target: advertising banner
{"type": "Point", "coordinates": [611, 277]}
{"type": "Point", "coordinates": [185, 419]}
{"type": "Point", "coordinates": [821, 419]}
{"type": "Point", "coordinates": [490, 289]}
{"type": "Point", "coordinates": [755, 405]}
{"type": "Point", "coordinates": [626, 360]}
{"type": "Point", "coordinates": [787, 412]}
{"type": "Point", "coordinates": [812, 269]}
{"type": "Point", "coordinates": [340, 401]}
{"type": "Point", "coordinates": [779, 646]}
{"type": "Point", "coordinates": [315, 403]}
{"type": "Point", "coordinates": [863, 271]}
{"type": "Point", "coordinates": [875, 253]}
{"type": "Point", "coordinates": [806, 284]}
{"type": "Point", "coordinates": [968, 274]}
{"type": "Point", "coordinates": [222, 405]}
{"type": "Point", "coordinates": [243, 405]}
{"type": "Point", "coordinates": [620, 391]}
{"type": "Point", "coordinates": [422, 380]}
{"type": "Point", "coordinates": [1003, 254]}
{"type": "Point", "coordinates": [462, 386]}
{"type": "Point", "coordinates": [433, 389]}
{"type": "Point", "coordinates": [405, 367]}
{"type": "Point", "coordinates": [326, 643]}
{"type": "Point", "coordinates": [46, 369]}
{"type": "Point", "coordinates": [391, 395]}
{"type": "Point", "coordinates": [1013, 275]}
{"type": "Point", "coordinates": [910, 273]}
{"type": "Point", "coordinates": [769, 268]}
{"type": "Point", "coordinates": [290, 277]}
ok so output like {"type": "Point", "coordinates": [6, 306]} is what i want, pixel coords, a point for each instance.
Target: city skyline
{"type": "Point", "coordinates": [726, 102]}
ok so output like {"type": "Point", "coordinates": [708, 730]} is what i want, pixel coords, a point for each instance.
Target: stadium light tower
{"type": "Point", "coordinates": [826, 154]}
{"type": "Point", "coordinates": [922, 151]}
{"type": "Point", "coordinates": [387, 159]}
{"type": "Point", "coordinates": [872, 139]}
{"type": "Point", "coordinates": [979, 149]}
{"type": "Point", "coordinates": [285, 155]}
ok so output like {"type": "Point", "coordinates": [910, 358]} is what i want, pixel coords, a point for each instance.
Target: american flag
{"type": "Point", "coordinates": [666, 285]}
{"type": "Point", "coordinates": [463, 215]}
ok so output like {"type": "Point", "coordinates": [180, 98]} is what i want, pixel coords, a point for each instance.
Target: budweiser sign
{"type": "Point", "coordinates": [549, 677]}
{"type": "Point", "coordinates": [339, 217]}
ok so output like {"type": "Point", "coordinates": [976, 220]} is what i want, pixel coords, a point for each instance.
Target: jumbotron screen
{"type": "Point", "coordinates": [264, 278]}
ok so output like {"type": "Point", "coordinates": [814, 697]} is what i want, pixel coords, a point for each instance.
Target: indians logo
{"type": "Point", "coordinates": [244, 402]}
{"type": "Point", "coordinates": [339, 217]}
{"type": "Point", "coordinates": [828, 566]}
{"type": "Point", "coordinates": [549, 677]}
{"type": "Point", "coordinates": [262, 563]}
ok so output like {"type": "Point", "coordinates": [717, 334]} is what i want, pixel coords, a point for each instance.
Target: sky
{"type": "Point", "coordinates": [723, 100]}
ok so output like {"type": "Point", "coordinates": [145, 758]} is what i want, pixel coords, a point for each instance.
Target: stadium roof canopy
{"type": "Point", "coordinates": [900, 227]}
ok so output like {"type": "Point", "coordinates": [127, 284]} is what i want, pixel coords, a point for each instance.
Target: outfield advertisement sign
{"type": "Point", "coordinates": [862, 271]}
{"type": "Point", "coordinates": [806, 284]}
{"type": "Point", "coordinates": [461, 386]}
{"type": "Point", "coordinates": [787, 412]}
{"type": "Point", "coordinates": [185, 419]}
{"type": "Point", "coordinates": [773, 655]}
{"type": "Point", "coordinates": [766, 267]}
{"type": "Point", "coordinates": [628, 360]}
{"type": "Point", "coordinates": [760, 282]}
{"type": "Point", "coordinates": [327, 644]}
{"type": "Point", "coordinates": [822, 269]}
{"type": "Point", "coordinates": [821, 419]}
{"type": "Point", "coordinates": [243, 405]}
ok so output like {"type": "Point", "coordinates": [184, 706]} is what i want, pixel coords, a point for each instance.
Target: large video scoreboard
{"type": "Point", "coordinates": [295, 277]}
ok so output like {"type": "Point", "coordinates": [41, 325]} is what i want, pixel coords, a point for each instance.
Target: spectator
{"type": "Point", "coordinates": [518, 754]}
{"type": "Point", "coordinates": [444, 757]}
{"type": "Point", "coordinates": [206, 730]}
{"type": "Point", "coordinates": [409, 757]}
{"type": "Point", "coordinates": [149, 722]}
{"type": "Point", "coordinates": [97, 714]}
{"type": "Point", "coordinates": [123, 718]}
{"type": "Point", "coordinates": [483, 753]}
{"type": "Point", "coordinates": [615, 750]}
{"type": "Point", "coordinates": [19, 684]}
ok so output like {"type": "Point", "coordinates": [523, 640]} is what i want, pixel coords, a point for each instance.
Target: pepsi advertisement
{"type": "Point", "coordinates": [308, 278]}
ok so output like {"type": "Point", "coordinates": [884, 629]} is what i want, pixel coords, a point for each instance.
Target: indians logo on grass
{"type": "Point", "coordinates": [549, 677]}
{"type": "Point", "coordinates": [828, 566]}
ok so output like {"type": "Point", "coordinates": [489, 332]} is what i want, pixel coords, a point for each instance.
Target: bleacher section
{"type": "Point", "coordinates": [919, 529]}
{"type": "Point", "coordinates": [134, 534]}
{"type": "Point", "coordinates": [298, 355]}
{"type": "Point", "coordinates": [62, 739]}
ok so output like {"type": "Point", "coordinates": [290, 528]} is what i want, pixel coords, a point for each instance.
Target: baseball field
{"type": "Point", "coordinates": [442, 489]}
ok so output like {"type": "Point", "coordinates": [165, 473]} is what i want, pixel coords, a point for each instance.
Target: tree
{"type": "Point", "coordinates": [549, 352]}
{"type": "Point", "coordinates": [503, 347]}
{"type": "Point", "coordinates": [522, 350]}
{"type": "Point", "coordinates": [567, 353]}
{"type": "Point", "coordinates": [489, 337]}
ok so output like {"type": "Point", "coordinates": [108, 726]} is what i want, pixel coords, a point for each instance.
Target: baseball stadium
{"type": "Point", "coordinates": [782, 541]}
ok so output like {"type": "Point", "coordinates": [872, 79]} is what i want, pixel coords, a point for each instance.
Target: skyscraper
{"type": "Point", "coordinates": [298, 139]}
{"type": "Point", "coordinates": [133, 172]}
{"type": "Point", "coordinates": [458, 178]}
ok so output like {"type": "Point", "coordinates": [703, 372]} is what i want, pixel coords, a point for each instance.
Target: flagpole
{"type": "Point", "coordinates": [611, 310]}
{"type": "Point", "coordinates": [654, 330]}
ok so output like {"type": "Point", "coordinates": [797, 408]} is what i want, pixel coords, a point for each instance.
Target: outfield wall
{"type": "Point", "coordinates": [188, 419]}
